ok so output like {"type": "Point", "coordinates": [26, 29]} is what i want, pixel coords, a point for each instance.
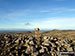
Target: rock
{"type": "Point", "coordinates": [55, 39]}
{"type": "Point", "coordinates": [53, 45]}
{"type": "Point", "coordinates": [36, 46]}
{"type": "Point", "coordinates": [41, 50]}
{"type": "Point", "coordinates": [11, 54]}
{"type": "Point", "coordinates": [22, 55]}
{"type": "Point", "coordinates": [27, 41]}
{"type": "Point", "coordinates": [27, 45]}
{"type": "Point", "coordinates": [46, 44]}
{"type": "Point", "coordinates": [31, 43]}
{"type": "Point", "coordinates": [57, 42]}
{"type": "Point", "coordinates": [6, 42]}
{"type": "Point", "coordinates": [17, 41]}
{"type": "Point", "coordinates": [45, 37]}
{"type": "Point", "coordinates": [51, 38]}
{"type": "Point", "coordinates": [28, 51]}
{"type": "Point", "coordinates": [35, 54]}
{"type": "Point", "coordinates": [22, 42]}
{"type": "Point", "coordinates": [69, 49]}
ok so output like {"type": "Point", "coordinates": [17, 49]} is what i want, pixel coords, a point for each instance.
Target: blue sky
{"type": "Point", "coordinates": [30, 14]}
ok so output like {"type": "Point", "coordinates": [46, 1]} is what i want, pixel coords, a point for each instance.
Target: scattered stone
{"type": "Point", "coordinates": [41, 50]}
{"type": "Point", "coordinates": [22, 45]}
{"type": "Point", "coordinates": [31, 43]}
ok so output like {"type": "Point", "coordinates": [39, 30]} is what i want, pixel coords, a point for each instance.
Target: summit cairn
{"type": "Point", "coordinates": [37, 33]}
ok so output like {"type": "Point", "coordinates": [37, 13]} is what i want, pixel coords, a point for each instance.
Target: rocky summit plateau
{"type": "Point", "coordinates": [49, 43]}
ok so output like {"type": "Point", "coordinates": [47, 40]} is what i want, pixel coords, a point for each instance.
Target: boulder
{"type": "Point", "coordinates": [41, 50]}
{"type": "Point", "coordinates": [69, 49]}
{"type": "Point", "coordinates": [31, 43]}
{"type": "Point", "coordinates": [46, 44]}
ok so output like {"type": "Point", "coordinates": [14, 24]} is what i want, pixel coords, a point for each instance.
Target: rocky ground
{"type": "Point", "coordinates": [26, 44]}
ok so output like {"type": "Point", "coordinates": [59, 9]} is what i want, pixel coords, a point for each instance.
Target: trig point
{"type": "Point", "coordinates": [37, 33]}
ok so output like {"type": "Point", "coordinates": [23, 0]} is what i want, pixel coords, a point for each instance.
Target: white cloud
{"type": "Point", "coordinates": [48, 23]}
{"type": "Point", "coordinates": [64, 9]}
{"type": "Point", "coordinates": [57, 23]}
{"type": "Point", "coordinates": [59, 10]}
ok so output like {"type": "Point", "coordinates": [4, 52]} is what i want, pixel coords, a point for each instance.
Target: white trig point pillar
{"type": "Point", "coordinates": [37, 33]}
